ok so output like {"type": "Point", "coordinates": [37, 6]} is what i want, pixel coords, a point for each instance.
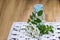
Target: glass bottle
{"type": "Point", "coordinates": [38, 7]}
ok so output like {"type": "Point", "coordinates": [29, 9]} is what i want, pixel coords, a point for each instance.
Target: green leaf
{"type": "Point", "coordinates": [28, 21]}
{"type": "Point", "coordinates": [33, 14]}
{"type": "Point", "coordinates": [33, 22]}
{"type": "Point", "coordinates": [51, 31]}
{"type": "Point", "coordinates": [32, 28]}
{"type": "Point", "coordinates": [38, 20]}
{"type": "Point", "coordinates": [31, 17]}
{"type": "Point", "coordinates": [46, 32]}
{"type": "Point", "coordinates": [50, 28]}
{"type": "Point", "coordinates": [40, 12]}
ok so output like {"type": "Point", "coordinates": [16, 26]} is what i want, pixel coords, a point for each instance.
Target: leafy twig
{"type": "Point", "coordinates": [44, 29]}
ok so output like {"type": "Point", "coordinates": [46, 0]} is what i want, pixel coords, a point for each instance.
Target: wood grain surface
{"type": "Point", "coordinates": [19, 11]}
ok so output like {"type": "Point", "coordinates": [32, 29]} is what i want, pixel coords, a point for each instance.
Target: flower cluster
{"type": "Point", "coordinates": [32, 30]}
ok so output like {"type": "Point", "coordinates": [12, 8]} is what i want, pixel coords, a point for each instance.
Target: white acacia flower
{"type": "Point", "coordinates": [33, 30]}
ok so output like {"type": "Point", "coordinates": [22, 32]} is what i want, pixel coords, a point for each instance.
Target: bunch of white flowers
{"type": "Point", "coordinates": [32, 30]}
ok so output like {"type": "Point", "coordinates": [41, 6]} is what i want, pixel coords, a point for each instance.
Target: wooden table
{"type": "Point", "coordinates": [19, 10]}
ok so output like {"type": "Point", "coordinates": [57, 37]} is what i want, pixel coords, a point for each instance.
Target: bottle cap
{"type": "Point", "coordinates": [38, 7]}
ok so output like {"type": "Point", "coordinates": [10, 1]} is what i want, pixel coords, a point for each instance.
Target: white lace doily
{"type": "Point", "coordinates": [17, 34]}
